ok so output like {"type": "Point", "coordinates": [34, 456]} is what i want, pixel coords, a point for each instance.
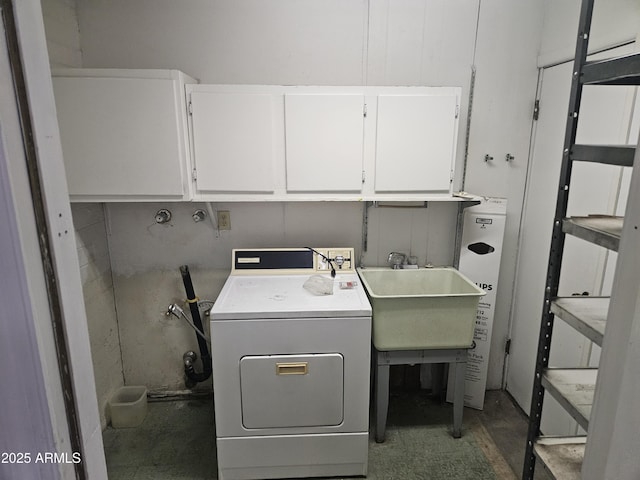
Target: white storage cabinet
{"type": "Point", "coordinates": [124, 133]}
{"type": "Point", "coordinates": [290, 143]}
{"type": "Point", "coordinates": [415, 142]}
{"type": "Point", "coordinates": [235, 140]}
{"type": "Point", "coordinates": [324, 142]}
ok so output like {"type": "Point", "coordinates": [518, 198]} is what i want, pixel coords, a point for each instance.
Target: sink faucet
{"type": "Point", "coordinates": [397, 260]}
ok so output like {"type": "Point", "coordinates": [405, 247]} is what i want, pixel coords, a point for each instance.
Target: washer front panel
{"type": "Point", "coordinates": [280, 391]}
{"type": "Point", "coordinates": [231, 341]}
{"type": "Point", "coordinates": [293, 456]}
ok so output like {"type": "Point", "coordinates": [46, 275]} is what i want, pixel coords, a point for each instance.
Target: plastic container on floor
{"type": "Point", "coordinates": [128, 407]}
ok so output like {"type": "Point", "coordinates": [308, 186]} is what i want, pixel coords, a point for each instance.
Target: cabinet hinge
{"type": "Point", "coordinates": [364, 110]}
{"type": "Point", "coordinates": [507, 347]}
{"type": "Point", "coordinates": [536, 110]}
{"type": "Point", "coordinates": [363, 176]}
{"type": "Point", "coordinates": [194, 175]}
{"type": "Point", "coordinates": [457, 110]}
{"type": "Point", "coordinates": [190, 108]}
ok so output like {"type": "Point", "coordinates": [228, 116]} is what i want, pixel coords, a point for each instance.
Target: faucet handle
{"type": "Point", "coordinates": [396, 259]}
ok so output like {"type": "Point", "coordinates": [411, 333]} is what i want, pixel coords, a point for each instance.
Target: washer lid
{"type": "Point", "coordinates": [283, 296]}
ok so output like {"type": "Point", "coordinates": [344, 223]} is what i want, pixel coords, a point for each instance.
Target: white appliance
{"type": "Point", "coordinates": [291, 368]}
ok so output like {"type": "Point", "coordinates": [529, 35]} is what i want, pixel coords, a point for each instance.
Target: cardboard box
{"type": "Point", "coordinates": [480, 253]}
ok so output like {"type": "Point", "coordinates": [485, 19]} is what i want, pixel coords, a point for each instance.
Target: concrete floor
{"type": "Point", "coordinates": [176, 441]}
{"type": "Point", "coordinates": [506, 426]}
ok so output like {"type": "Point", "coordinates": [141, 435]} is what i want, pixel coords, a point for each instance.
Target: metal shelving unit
{"type": "Point", "coordinates": [574, 388]}
{"type": "Point", "coordinates": [602, 230]}
{"type": "Point", "coordinates": [588, 315]}
{"type": "Point", "coordinates": [562, 455]}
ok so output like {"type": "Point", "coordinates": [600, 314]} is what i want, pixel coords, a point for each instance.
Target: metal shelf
{"type": "Point", "coordinates": [619, 155]}
{"type": "Point", "coordinates": [588, 315]}
{"type": "Point", "coordinates": [623, 70]}
{"type": "Point", "coordinates": [561, 456]}
{"type": "Point", "coordinates": [603, 230]}
{"type": "Point", "coordinates": [573, 388]}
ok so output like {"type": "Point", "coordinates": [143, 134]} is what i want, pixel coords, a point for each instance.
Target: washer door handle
{"type": "Point", "coordinates": [292, 368]}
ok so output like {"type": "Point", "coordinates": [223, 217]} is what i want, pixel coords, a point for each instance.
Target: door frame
{"type": "Point", "coordinates": [46, 250]}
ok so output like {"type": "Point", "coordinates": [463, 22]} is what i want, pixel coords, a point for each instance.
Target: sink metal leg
{"type": "Point", "coordinates": [458, 397]}
{"type": "Point", "coordinates": [457, 359]}
{"type": "Point", "coordinates": [382, 400]}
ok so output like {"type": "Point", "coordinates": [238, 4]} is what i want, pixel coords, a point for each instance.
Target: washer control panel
{"type": "Point", "coordinates": [288, 261]}
{"type": "Point", "coordinates": [340, 258]}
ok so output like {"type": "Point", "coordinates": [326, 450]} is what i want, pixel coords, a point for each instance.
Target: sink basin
{"type": "Point", "coordinates": [419, 309]}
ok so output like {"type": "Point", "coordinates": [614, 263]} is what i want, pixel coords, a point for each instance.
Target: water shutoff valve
{"type": "Point", "coordinates": [163, 216]}
{"type": "Point", "coordinates": [199, 215]}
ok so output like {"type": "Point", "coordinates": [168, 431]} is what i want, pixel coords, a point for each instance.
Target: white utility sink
{"type": "Point", "coordinates": [418, 309]}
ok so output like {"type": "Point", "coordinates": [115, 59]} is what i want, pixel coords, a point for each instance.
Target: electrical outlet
{"type": "Point", "coordinates": [224, 220]}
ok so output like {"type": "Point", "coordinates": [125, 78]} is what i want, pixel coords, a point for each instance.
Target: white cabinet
{"type": "Point", "coordinates": [415, 142]}
{"type": "Point", "coordinates": [235, 146]}
{"type": "Point", "coordinates": [324, 142]}
{"type": "Point", "coordinates": [124, 138]}
{"type": "Point", "coordinates": [123, 133]}
{"type": "Point", "coordinates": [290, 143]}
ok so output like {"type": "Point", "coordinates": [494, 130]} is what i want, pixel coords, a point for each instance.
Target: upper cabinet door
{"type": "Point", "coordinates": [234, 141]}
{"type": "Point", "coordinates": [123, 138]}
{"type": "Point", "coordinates": [415, 143]}
{"type": "Point", "coordinates": [324, 142]}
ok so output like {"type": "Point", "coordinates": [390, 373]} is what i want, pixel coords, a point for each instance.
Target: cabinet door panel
{"type": "Point", "coordinates": [234, 137]}
{"type": "Point", "coordinates": [120, 136]}
{"type": "Point", "coordinates": [415, 142]}
{"type": "Point", "coordinates": [324, 142]}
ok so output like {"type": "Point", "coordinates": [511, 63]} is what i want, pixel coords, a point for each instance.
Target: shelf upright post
{"type": "Point", "coordinates": [558, 237]}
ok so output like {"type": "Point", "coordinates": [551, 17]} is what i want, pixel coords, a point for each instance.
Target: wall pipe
{"type": "Point", "coordinates": [194, 377]}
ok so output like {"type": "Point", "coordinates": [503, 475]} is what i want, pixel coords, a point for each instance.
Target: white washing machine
{"type": "Point", "coordinates": [291, 368]}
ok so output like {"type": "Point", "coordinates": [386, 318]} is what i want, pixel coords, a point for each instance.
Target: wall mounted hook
{"type": "Point", "coordinates": [488, 158]}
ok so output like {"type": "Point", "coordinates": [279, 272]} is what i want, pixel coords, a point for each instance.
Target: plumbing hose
{"type": "Point", "coordinates": [180, 314]}
{"type": "Point", "coordinates": [189, 370]}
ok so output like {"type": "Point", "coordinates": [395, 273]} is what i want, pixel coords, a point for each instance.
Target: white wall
{"type": "Point", "coordinates": [97, 287]}
{"type": "Point", "coordinates": [146, 258]}
{"type": "Point", "coordinates": [62, 32]}
{"type": "Point", "coordinates": [63, 43]}
{"type": "Point", "coordinates": [247, 41]}
{"type": "Point", "coordinates": [614, 22]}
{"type": "Point", "coordinates": [353, 42]}
{"type": "Point", "coordinates": [504, 94]}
